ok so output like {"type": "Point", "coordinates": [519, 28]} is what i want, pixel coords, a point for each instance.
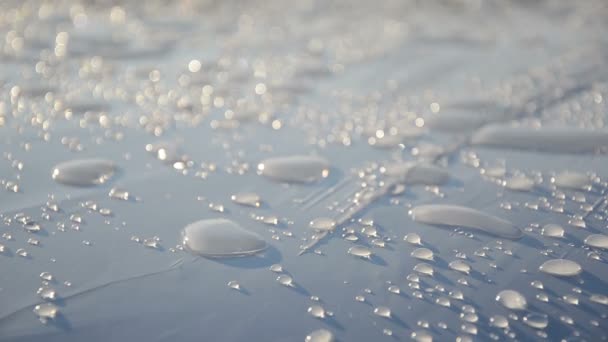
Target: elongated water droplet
{"type": "Point", "coordinates": [425, 269]}
{"type": "Point", "coordinates": [572, 180]}
{"type": "Point", "coordinates": [360, 251]}
{"type": "Point", "coordinates": [460, 266]}
{"type": "Point", "coordinates": [321, 335]}
{"type": "Point", "coordinates": [519, 183]}
{"type": "Point", "coordinates": [544, 139]}
{"type": "Point", "coordinates": [457, 216]}
{"type": "Point", "coordinates": [561, 267]}
{"type": "Point", "coordinates": [421, 336]}
{"type": "Point", "coordinates": [413, 173]}
{"type": "Point", "coordinates": [84, 172]}
{"type": "Point", "coordinates": [512, 299]}
{"type": "Point", "coordinates": [249, 199]}
{"type": "Point", "coordinates": [382, 311]}
{"type": "Point", "coordinates": [536, 320]}
{"type": "Point", "coordinates": [295, 169]}
{"type": "Point", "coordinates": [323, 224]}
{"type": "Point", "coordinates": [221, 238]}
{"type": "Point", "coordinates": [597, 241]}
{"type": "Point", "coordinates": [316, 311]}
{"type": "Point", "coordinates": [422, 253]}
{"type": "Point", "coordinates": [499, 321]}
{"type": "Point", "coordinates": [599, 299]}
{"type": "Point", "coordinates": [553, 230]}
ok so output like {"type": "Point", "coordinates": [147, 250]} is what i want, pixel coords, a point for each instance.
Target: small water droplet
{"type": "Point", "coordinates": [423, 254]}
{"type": "Point", "coordinates": [553, 230]}
{"type": "Point", "coordinates": [247, 199]}
{"type": "Point", "coordinates": [233, 284]}
{"type": "Point", "coordinates": [382, 311]}
{"type": "Point", "coordinates": [425, 269]}
{"type": "Point", "coordinates": [413, 238]}
{"type": "Point", "coordinates": [316, 311]}
{"type": "Point", "coordinates": [321, 335]}
{"type": "Point", "coordinates": [536, 320]}
{"type": "Point", "coordinates": [285, 280]}
{"type": "Point", "coordinates": [360, 251]}
{"type": "Point", "coordinates": [460, 266]}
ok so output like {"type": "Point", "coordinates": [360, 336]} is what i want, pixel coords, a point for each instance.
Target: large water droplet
{"type": "Point", "coordinates": [545, 139]}
{"type": "Point", "coordinates": [561, 267]}
{"type": "Point", "coordinates": [457, 216]}
{"type": "Point", "coordinates": [536, 320]}
{"type": "Point", "coordinates": [512, 299]}
{"type": "Point", "coordinates": [221, 238]}
{"type": "Point", "coordinates": [597, 241]}
{"type": "Point", "coordinates": [84, 172]}
{"type": "Point", "coordinates": [316, 311]}
{"type": "Point", "coordinates": [422, 253]}
{"type": "Point", "coordinates": [46, 311]}
{"type": "Point", "coordinates": [323, 224]}
{"type": "Point", "coordinates": [382, 311]}
{"type": "Point", "coordinates": [553, 230]}
{"type": "Point", "coordinates": [295, 169]}
{"type": "Point", "coordinates": [321, 335]}
{"type": "Point", "coordinates": [360, 251]}
{"type": "Point", "coordinates": [572, 180]}
{"type": "Point", "coordinates": [247, 198]}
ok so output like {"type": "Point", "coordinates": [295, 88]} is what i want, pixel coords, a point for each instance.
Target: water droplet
{"type": "Point", "coordinates": [316, 311]}
{"type": "Point", "coordinates": [469, 328]}
{"type": "Point", "coordinates": [221, 238]}
{"type": "Point", "coordinates": [443, 301]}
{"type": "Point", "coordinates": [382, 311]}
{"type": "Point", "coordinates": [542, 297]}
{"type": "Point", "coordinates": [321, 335]}
{"type": "Point", "coordinates": [370, 231]}
{"type": "Point", "coordinates": [249, 199]}
{"type": "Point", "coordinates": [233, 284]}
{"type": "Point", "coordinates": [457, 216]}
{"type": "Point", "coordinates": [460, 266]}
{"type": "Point", "coordinates": [413, 238]}
{"type": "Point", "coordinates": [425, 269]}
{"type": "Point", "coordinates": [285, 280]}
{"type": "Point", "coordinates": [21, 252]}
{"type": "Point", "coordinates": [295, 169]}
{"type": "Point", "coordinates": [84, 172]}
{"type": "Point", "coordinates": [553, 230]}
{"type": "Point", "coordinates": [421, 336]}
{"type": "Point", "coordinates": [598, 298]}
{"type": "Point", "coordinates": [597, 241]}
{"type": "Point", "coordinates": [545, 139]}
{"type": "Point", "coordinates": [120, 194]}
{"type": "Point", "coordinates": [572, 180]}
{"type": "Point", "coordinates": [360, 251]}
{"type": "Point", "coordinates": [561, 267]}
{"type": "Point", "coordinates": [537, 284]}
{"type": "Point", "coordinates": [323, 224]}
{"type": "Point", "coordinates": [499, 321]}
{"type": "Point", "coordinates": [151, 243]}
{"type": "Point", "coordinates": [413, 173]}
{"type": "Point", "coordinates": [536, 320]}
{"type": "Point", "coordinates": [519, 183]}
{"type": "Point", "coordinates": [276, 268]}
{"type": "Point", "coordinates": [46, 276]}
{"type": "Point", "coordinates": [512, 299]}
{"type": "Point", "coordinates": [570, 299]}
{"type": "Point", "coordinates": [360, 298]}
{"type": "Point", "coordinates": [46, 293]}
{"type": "Point", "coordinates": [394, 289]}
{"type": "Point", "coordinates": [46, 311]}
{"type": "Point", "coordinates": [422, 253]}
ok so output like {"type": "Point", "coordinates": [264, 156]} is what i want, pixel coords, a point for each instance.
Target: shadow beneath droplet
{"type": "Point", "coordinates": [269, 257]}
{"type": "Point", "coordinates": [60, 322]}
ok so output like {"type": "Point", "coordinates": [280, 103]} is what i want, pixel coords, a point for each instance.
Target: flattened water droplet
{"type": "Point", "coordinates": [572, 180]}
{"type": "Point", "coordinates": [295, 169]}
{"type": "Point", "coordinates": [421, 336]}
{"type": "Point", "coordinates": [323, 224]}
{"type": "Point", "coordinates": [597, 241]}
{"type": "Point", "coordinates": [425, 269]}
{"type": "Point", "coordinates": [321, 335]}
{"type": "Point", "coordinates": [233, 284]}
{"type": "Point", "coordinates": [545, 139]}
{"type": "Point", "coordinates": [537, 284]}
{"type": "Point", "coordinates": [285, 280]}
{"type": "Point", "coordinates": [599, 299]}
{"type": "Point", "coordinates": [247, 198]}
{"type": "Point", "coordinates": [460, 266]}
{"type": "Point", "coordinates": [457, 216]}
{"type": "Point", "coordinates": [316, 311]}
{"type": "Point", "coordinates": [413, 173]}
{"type": "Point", "coordinates": [422, 253]}
{"type": "Point", "coordinates": [561, 267]}
{"type": "Point", "coordinates": [553, 230]}
{"type": "Point", "coordinates": [221, 238]}
{"type": "Point", "coordinates": [536, 320]}
{"type": "Point", "coordinates": [499, 321]}
{"type": "Point", "coordinates": [512, 299]}
{"type": "Point", "coordinates": [360, 251]}
{"type": "Point", "coordinates": [276, 268]}
{"type": "Point", "coordinates": [519, 183]}
{"type": "Point", "coordinates": [394, 289]}
{"type": "Point", "coordinates": [84, 172]}
{"type": "Point", "coordinates": [413, 238]}
{"type": "Point", "coordinates": [46, 311]}
{"type": "Point", "coordinates": [382, 311]}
